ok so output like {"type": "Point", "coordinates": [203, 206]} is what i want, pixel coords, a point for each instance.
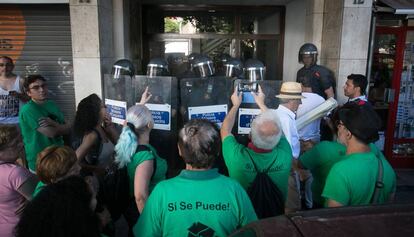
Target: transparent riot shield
{"type": "Point", "coordinates": [163, 106]}
{"type": "Point", "coordinates": [248, 109]}
{"type": "Point", "coordinates": [119, 96]}
{"type": "Point", "coordinates": [206, 98]}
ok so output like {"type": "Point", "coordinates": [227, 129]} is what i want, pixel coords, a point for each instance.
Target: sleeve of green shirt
{"type": "Point", "coordinates": [309, 158]}
{"type": "Point", "coordinates": [336, 187]}
{"type": "Point", "coordinates": [30, 118]}
{"type": "Point", "coordinates": [231, 150]}
{"type": "Point", "coordinates": [149, 223]}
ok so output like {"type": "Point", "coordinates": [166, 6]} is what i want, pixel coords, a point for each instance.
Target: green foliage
{"type": "Point", "coordinates": [171, 25]}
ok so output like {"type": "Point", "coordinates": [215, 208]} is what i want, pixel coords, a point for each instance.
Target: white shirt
{"type": "Point", "coordinates": [288, 123]}
{"type": "Point", "coordinates": [10, 105]}
{"type": "Point", "coordinates": [310, 131]}
{"type": "Point", "coordinates": [362, 97]}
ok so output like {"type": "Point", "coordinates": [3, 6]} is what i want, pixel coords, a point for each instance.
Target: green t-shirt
{"type": "Point", "coordinates": [40, 185]}
{"type": "Point", "coordinates": [319, 160]}
{"type": "Point", "coordinates": [352, 181]}
{"type": "Point", "coordinates": [142, 156]}
{"type": "Point", "coordinates": [236, 157]}
{"type": "Point", "coordinates": [34, 141]}
{"type": "Point", "coordinates": [194, 202]}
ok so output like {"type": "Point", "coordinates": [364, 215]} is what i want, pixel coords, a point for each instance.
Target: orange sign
{"type": "Point", "coordinates": [12, 31]}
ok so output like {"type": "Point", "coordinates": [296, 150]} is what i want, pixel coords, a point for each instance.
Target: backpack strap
{"type": "Point", "coordinates": [255, 167]}
{"type": "Point", "coordinates": [379, 184]}
{"type": "Point", "coordinates": [145, 148]}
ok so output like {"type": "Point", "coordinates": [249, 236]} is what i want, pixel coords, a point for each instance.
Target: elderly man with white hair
{"type": "Point", "coordinates": [268, 149]}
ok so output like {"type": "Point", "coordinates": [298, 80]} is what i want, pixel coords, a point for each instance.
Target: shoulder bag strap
{"type": "Point", "coordinates": [255, 167]}
{"type": "Point", "coordinates": [379, 184]}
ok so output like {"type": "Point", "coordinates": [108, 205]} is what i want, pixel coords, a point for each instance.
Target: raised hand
{"type": "Point", "coordinates": [146, 96]}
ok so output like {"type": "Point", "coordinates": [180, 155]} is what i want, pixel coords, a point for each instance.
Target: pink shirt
{"type": "Point", "coordinates": [11, 178]}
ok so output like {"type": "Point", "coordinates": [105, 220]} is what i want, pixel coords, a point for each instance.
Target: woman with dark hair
{"type": "Point", "coordinates": [133, 150]}
{"type": "Point", "coordinates": [63, 209]}
{"type": "Point", "coordinates": [16, 183]}
{"type": "Point", "coordinates": [353, 180]}
{"type": "Point", "coordinates": [94, 131]}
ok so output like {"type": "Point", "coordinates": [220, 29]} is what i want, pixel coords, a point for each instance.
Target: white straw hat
{"type": "Point", "coordinates": [290, 90]}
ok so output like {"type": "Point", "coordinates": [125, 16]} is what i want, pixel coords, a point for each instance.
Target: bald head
{"type": "Point", "coordinates": [266, 133]}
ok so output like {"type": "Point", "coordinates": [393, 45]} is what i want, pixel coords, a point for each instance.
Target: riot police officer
{"type": "Point", "coordinates": [318, 77]}
{"type": "Point", "coordinates": [157, 67]}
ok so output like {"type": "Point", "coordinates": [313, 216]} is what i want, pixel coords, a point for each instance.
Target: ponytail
{"type": "Point", "coordinates": [126, 147]}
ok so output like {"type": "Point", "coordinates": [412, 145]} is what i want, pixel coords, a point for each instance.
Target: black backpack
{"type": "Point", "coordinates": [114, 187]}
{"type": "Point", "coordinates": [266, 197]}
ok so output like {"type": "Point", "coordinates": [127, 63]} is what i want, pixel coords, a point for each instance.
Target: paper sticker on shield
{"type": "Point", "coordinates": [161, 113]}
{"type": "Point", "coordinates": [213, 113]}
{"type": "Point", "coordinates": [246, 117]}
{"type": "Point", "coordinates": [117, 109]}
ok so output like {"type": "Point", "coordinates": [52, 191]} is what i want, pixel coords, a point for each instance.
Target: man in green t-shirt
{"type": "Point", "coordinates": [352, 181]}
{"type": "Point", "coordinates": [41, 121]}
{"type": "Point", "coordinates": [319, 160]}
{"type": "Point", "coordinates": [199, 201]}
{"type": "Point", "coordinates": [266, 146]}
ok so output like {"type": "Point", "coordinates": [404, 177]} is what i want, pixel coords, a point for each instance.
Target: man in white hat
{"type": "Point", "coordinates": [290, 98]}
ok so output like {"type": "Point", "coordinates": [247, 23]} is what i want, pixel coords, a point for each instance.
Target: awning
{"type": "Point", "coordinates": [401, 6]}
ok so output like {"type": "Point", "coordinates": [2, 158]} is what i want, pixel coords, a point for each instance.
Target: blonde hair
{"type": "Point", "coordinates": [54, 163]}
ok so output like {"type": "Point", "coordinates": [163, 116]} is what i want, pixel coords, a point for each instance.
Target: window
{"type": "Point", "coordinates": [242, 32]}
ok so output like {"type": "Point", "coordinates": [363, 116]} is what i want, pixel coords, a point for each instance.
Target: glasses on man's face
{"type": "Point", "coordinates": [37, 87]}
{"type": "Point", "coordinates": [5, 64]}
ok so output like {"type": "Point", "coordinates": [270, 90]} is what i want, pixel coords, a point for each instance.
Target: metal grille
{"type": "Point", "coordinates": [38, 38]}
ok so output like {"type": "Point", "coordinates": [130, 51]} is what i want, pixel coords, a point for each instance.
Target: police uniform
{"type": "Point", "coordinates": [318, 77]}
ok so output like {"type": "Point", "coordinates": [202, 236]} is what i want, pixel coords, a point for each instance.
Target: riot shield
{"type": "Point", "coordinates": [248, 109]}
{"type": "Point", "coordinates": [119, 96]}
{"type": "Point", "coordinates": [163, 106]}
{"type": "Point", "coordinates": [206, 98]}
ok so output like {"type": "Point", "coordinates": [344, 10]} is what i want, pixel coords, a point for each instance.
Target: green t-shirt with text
{"type": "Point", "coordinates": [352, 181]}
{"type": "Point", "coordinates": [142, 156]}
{"type": "Point", "coordinates": [195, 203]}
{"type": "Point", "coordinates": [319, 160]}
{"type": "Point", "coordinates": [34, 141]}
{"type": "Point", "coordinates": [236, 157]}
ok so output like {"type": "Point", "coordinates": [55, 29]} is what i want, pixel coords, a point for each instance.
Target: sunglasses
{"type": "Point", "coordinates": [5, 64]}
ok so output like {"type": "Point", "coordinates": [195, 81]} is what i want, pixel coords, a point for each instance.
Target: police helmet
{"type": "Point", "coordinates": [157, 67]}
{"type": "Point", "coordinates": [191, 57]}
{"type": "Point", "coordinates": [254, 70]}
{"type": "Point", "coordinates": [203, 66]}
{"type": "Point", "coordinates": [121, 68]}
{"type": "Point", "coordinates": [308, 49]}
{"type": "Point", "coordinates": [233, 68]}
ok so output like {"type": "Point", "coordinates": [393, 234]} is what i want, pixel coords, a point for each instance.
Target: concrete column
{"type": "Point", "coordinates": [294, 38]}
{"type": "Point", "coordinates": [345, 39]}
{"type": "Point", "coordinates": [92, 44]}
{"type": "Point", "coordinates": [314, 22]}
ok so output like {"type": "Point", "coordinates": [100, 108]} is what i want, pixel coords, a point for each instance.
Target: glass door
{"type": "Point", "coordinates": [391, 92]}
{"type": "Point", "coordinates": [403, 142]}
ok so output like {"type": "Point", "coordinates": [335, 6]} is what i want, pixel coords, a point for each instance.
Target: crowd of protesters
{"type": "Point", "coordinates": [48, 188]}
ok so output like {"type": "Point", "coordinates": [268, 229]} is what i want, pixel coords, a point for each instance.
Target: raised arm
{"type": "Point", "coordinates": [259, 98]}
{"type": "Point", "coordinates": [142, 179]}
{"type": "Point", "coordinates": [228, 123]}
